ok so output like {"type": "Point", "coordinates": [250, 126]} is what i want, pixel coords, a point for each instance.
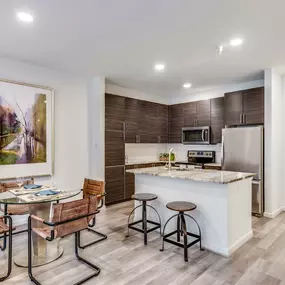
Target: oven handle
{"type": "Point", "coordinates": [203, 135]}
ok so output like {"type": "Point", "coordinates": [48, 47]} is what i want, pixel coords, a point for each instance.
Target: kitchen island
{"type": "Point", "coordinates": [223, 200]}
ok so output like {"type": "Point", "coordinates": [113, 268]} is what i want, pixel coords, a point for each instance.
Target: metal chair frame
{"type": "Point", "coordinates": [182, 231]}
{"type": "Point", "coordinates": [92, 225]}
{"type": "Point", "coordinates": [51, 238]}
{"type": "Point", "coordinates": [10, 248]}
{"type": "Point", "coordinates": [4, 237]}
{"type": "Point", "coordinates": [144, 221]}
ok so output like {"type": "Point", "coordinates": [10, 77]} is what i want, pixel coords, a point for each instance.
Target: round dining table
{"type": "Point", "coordinates": [43, 251]}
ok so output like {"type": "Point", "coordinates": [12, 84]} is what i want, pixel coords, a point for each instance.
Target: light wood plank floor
{"type": "Point", "coordinates": [128, 261]}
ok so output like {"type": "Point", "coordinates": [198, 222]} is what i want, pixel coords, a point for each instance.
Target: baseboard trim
{"type": "Point", "coordinates": [274, 214]}
{"type": "Point", "coordinates": [240, 242]}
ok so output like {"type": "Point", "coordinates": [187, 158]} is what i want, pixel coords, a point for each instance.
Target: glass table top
{"type": "Point", "coordinates": [35, 198]}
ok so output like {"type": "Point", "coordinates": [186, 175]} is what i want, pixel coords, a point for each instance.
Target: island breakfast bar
{"type": "Point", "coordinates": [223, 202]}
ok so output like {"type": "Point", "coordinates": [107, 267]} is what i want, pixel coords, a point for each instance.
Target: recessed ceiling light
{"type": "Point", "coordinates": [159, 67]}
{"type": "Point", "coordinates": [236, 42]}
{"type": "Point", "coordinates": [187, 85]}
{"type": "Point", "coordinates": [25, 17]}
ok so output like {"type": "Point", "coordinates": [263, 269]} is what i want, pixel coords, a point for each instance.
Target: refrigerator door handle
{"type": "Point", "coordinates": [223, 152]}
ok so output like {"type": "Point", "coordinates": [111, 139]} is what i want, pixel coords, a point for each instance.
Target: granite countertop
{"type": "Point", "coordinates": [133, 162]}
{"type": "Point", "coordinates": [200, 175]}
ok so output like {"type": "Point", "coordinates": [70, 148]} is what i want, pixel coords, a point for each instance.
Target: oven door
{"type": "Point", "coordinates": [196, 135]}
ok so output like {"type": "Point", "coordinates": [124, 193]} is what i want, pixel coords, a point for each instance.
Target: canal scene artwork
{"type": "Point", "coordinates": [23, 135]}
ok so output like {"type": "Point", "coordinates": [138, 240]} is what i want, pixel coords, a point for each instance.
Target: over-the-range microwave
{"type": "Point", "coordinates": [196, 135]}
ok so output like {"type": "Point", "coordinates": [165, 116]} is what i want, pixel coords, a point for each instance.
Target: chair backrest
{"type": "Point", "coordinates": [6, 186]}
{"type": "Point", "coordinates": [93, 188]}
{"type": "Point", "coordinates": [69, 210]}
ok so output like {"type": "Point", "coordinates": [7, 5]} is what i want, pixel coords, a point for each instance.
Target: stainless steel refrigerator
{"type": "Point", "coordinates": [242, 150]}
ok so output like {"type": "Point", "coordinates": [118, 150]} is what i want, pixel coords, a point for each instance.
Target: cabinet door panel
{"type": "Point", "coordinates": [233, 108]}
{"type": "Point", "coordinates": [115, 184]}
{"type": "Point", "coordinates": [217, 119]}
{"type": "Point", "coordinates": [190, 114]}
{"type": "Point", "coordinates": [114, 148]}
{"type": "Point", "coordinates": [253, 103]}
{"type": "Point", "coordinates": [143, 121]}
{"type": "Point", "coordinates": [115, 107]}
{"type": "Point", "coordinates": [131, 119]}
{"type": "Point", "coordinates": [176, 122]}
{"type": "Point", "coordinates": [129, 185]}
{"type": "Point", "coordinates": [203, 113]}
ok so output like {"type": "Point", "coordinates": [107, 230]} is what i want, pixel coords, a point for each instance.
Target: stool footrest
{"type": "Point", "coordinates": [131, 226]}
{"type": "Point", "coordinates": [165, 238]}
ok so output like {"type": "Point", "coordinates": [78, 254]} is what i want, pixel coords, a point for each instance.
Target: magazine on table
{"type": "Point", "coordinates": [23, 191]}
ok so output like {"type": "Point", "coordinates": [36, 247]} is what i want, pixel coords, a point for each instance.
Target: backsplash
{"type": "Point", "coordinates": [144, 152]}
{"type": "Point", "coordinates": [180, 150]}
{"type": "Point", "coordinates": [150, 152]}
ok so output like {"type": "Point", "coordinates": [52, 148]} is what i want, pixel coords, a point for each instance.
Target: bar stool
{"type": "Point", "coordinates": [144, 198]}
{"type": "Point", "coordinates": [181, 207]}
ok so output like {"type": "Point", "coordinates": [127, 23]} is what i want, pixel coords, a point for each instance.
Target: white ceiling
{"type": "Point", "coordinates": [121, 39]}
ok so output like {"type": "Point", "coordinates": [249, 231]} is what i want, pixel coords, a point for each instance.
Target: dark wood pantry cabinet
{"type": "Point", "coordinates": [244, 107]}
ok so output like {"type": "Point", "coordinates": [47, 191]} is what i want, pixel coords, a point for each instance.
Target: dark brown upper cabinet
{"type": "Point", "coordinates": [233, 108]}
{"type": "Point", "coordinates": [244, 107]}
{"type": "Point", "coordinates": [176, 122]}
{"type": "Point", "coordinates": [217, 119]}
{"type": "Point", "coordinates": [131, 121]}
{"type": "Point", "coordinates": [253, 106]}
{"type": "Point", "coordinates": [190, 114]}
{"type": "Point", "coordinates": [203, 117]}
{"type": "Point", "coordinates": [197, 114]}
{"type": "Point", "coordinates": [144, 122]}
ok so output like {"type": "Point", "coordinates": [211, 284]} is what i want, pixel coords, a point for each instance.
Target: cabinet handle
{"type": "Point", "coordinates": [240, 118]}
{"type": "Point", "coordinates": [137, 138]}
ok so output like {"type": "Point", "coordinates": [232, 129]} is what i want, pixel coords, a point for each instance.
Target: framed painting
{"type": "Point", "coordinates": [26, 130]}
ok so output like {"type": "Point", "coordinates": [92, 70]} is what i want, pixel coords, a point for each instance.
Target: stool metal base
{"type": "Point", "coordinates": [144, 221]}
{"type": "Point", "coordinates": [182, 231]}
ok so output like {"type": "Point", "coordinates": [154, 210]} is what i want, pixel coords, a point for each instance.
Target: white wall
{"type": "Point", "coordinates": [127, 92]}
{"type": "Point", "coordinates": [274, 143]}
{"type": "Point", "coordinates": [96, 128]}
{"type": "Point", "coordinates": [71, 119]}
{"type": "Point", "coordinates": [214, 92]}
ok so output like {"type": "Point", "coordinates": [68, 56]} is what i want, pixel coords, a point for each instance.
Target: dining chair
{"type": "Point", "coordinates": [94, 188]}
{"type": "Point", "coordinates": [67, 218]}
{"type": "Point", "coordinates": [4, 229]}
{"type": "Point", "coordinates": [14, 210]}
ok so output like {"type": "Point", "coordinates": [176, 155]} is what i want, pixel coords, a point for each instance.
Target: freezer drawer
{"type": "Point", "coordinates": [257, 197]}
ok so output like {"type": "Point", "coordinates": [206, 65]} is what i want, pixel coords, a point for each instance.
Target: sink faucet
{"type": "Point", "coordinates": [169, 157]}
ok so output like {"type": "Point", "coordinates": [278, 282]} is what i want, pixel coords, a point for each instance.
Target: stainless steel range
{"type": "Point", "coordinates": [198, 158]}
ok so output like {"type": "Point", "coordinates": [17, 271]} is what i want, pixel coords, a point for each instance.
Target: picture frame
{"type": "Point", "coordinates": [27, 130]}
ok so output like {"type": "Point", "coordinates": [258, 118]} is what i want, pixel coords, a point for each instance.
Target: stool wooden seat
{"type": "Point", "coordinates": [144, 197]}
{"type": "Point", "coordinates": [181, 206]}
{"type": "Point", "coordinates": [181, 231]}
